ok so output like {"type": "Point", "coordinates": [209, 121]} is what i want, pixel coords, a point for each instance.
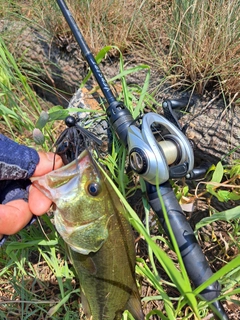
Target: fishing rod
{"type": "Point", "coordinates": [170, 158]}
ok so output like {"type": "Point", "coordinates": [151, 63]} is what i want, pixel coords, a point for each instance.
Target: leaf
{"type": "Point", "coordinates": [218, 173]}
{"type": "Point", "coordinates": [217, 177]}
{"type": "Point", "coordinates": [225, 195]}
{"type": "Point", "coordinates": [227, 215]}
{"type": "Point", "coordinates": [59, 114]}
{"type": "Point", "coordinates": [6, 111]}
{"type": "Point", "coordinates": [42, 120]}
{"type": "Point", "coordinates": [55, 308]}
{"type": "Point", "coordinates": [55, 108]}
{"type": "Point", "coordinates": [30, 244]}
{"type": "Point", "coordinates": [140, 104]}
{"type": "Point", "coordinates": [38, 136]}
{"type": "Point", "coordinates": [235, 170]}
{"type": "Point", "coordinates": [101, 55]}
{"type": "Point", "coordinates": [185, 190]}
{"type": "Point", "coordinates": [234, 196]}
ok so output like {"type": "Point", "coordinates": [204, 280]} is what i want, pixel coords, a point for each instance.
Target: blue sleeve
{"type": "Point", "coordinates": [16, 161]}
{"type": "Point", "coordinates": [17, 165]}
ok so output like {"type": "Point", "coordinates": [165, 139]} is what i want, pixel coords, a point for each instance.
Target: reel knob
{"type": "Point", "coordinates": [138, 160]}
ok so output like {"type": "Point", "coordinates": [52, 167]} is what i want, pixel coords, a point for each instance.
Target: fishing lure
{"type": "Point", "coordinates": [73, 140]}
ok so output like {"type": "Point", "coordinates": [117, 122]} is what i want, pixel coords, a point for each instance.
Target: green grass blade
{"type": "Point", "coordinates": [218, 274]}
{"type": "Point", "coordinates": [230, 214]}
{"type": "Point", "coordinates": [99, 57]}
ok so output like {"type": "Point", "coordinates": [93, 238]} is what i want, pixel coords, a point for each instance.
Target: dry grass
{"type": "Point", "coordinates": [108, 22]}
{"type": "Point", "coordinates": [196, 43]}
{"type": "Point", "coordinates": [205, 43]}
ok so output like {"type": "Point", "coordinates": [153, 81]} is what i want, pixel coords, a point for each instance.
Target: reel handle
{"type": "Point", "coordinates": [179, 103]}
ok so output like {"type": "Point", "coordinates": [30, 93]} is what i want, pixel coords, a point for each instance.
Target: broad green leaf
{"type": "Point", "coordinates": [55, 108]}
{"type": "Point", "coordinates": [217, 177]}
{"type": "Point", "coordinates": [218, 173]}
{"type": "Point", "coordinates": [225, 195]}
{"type": "Point", "coordinates": [234, 196]}
{"type": "Point", "coordinates": [60, 114]}
{"type": "Point", "coordinates": [42, 120]}
{"type": "Point", "coordinates": [38, 136]}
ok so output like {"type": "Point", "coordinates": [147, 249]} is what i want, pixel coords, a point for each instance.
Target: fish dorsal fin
{"type": "Point", "coordinates": [134, 306]}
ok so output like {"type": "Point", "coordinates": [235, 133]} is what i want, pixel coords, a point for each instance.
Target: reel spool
{"type": "Point", "coordinates": [171, 157]}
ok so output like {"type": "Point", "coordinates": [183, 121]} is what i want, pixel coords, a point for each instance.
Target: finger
{"type": "Point", "coordinates": [14, 216]}
{"type": "Point", "coordinates": [48, 161]}
{"type": "Point", "coordinates": [38, 202]}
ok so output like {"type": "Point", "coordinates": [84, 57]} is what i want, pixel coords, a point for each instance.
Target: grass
{"type": "Point", "coordinates": [205, 43]}
{"type": "Point", "coordinates": [37, 266]}
{"type": "Point", "coordinates": [192, 43]}
{"type": "Point", "coordinates": [35, 275]}
{"type": "Point", "coordinates": [16, 94]}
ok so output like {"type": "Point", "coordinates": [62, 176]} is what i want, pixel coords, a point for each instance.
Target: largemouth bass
{"type": "Point", "coordinates": [91, 219]}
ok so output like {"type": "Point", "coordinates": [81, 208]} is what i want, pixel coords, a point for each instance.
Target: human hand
{"type": "Point", "coordinates": [17, 212]}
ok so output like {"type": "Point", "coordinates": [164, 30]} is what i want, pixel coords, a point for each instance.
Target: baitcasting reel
{"type": "Point", "coordinates": [171, 157]}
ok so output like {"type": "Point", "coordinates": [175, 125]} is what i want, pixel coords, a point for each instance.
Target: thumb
{"type": "Point", "coordinates": [48, 162]}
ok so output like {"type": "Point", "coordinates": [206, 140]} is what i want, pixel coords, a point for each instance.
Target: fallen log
{"type": "Point", "coordinates": [215, 130]}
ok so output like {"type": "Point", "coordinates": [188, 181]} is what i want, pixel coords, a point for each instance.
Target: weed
{"type": "Point", "coordinates": [205, 42]}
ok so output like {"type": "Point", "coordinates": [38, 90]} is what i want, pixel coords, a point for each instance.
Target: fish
{"type": "Point", "coordinates": [93, 223]}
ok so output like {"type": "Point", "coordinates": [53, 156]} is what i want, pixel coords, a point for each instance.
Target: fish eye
{"type": "Point", "coordinates": [93, 188]}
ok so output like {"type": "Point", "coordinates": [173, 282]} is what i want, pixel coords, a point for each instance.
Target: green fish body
{"type": "Point", "coordinates": [91, 219]}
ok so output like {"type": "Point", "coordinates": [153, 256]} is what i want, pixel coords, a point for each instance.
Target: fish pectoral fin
{"type": "Point", "coordinates": [89, 237]}
{"type": "Point", "coordinates": [134, 306]}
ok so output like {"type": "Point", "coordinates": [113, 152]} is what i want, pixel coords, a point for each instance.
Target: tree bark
{"type": "Point", "coordinates": [61, 68]}
{"type": "Point", "coordinates": [214, 129]}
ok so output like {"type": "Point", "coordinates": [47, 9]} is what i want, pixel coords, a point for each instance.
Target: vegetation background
{"type": "Point", "coordinates": [192, 44]}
